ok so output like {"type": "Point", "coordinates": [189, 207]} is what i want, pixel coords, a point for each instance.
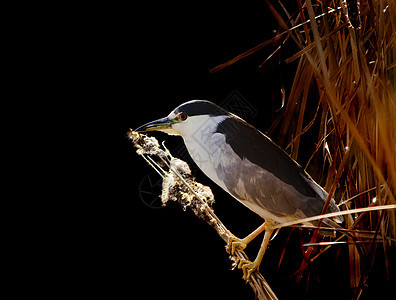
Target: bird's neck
{"type": "Point", "coordinates": [199, 146]}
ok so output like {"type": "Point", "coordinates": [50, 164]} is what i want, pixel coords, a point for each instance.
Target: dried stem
{"type": "Point", "coordinates": [180, 186]}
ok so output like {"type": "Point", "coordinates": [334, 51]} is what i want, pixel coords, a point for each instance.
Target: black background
{"type": "Point", "coordinates": [113, 67]}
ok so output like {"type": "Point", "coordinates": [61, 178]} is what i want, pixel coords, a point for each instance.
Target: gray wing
{"type": "Point", "coordinates": [257, 171]}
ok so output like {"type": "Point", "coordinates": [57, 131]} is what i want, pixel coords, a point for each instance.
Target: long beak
{"type": "Point", "coordinates": [156, 125]}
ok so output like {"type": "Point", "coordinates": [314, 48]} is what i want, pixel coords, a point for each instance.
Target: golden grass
{"type": "Point", "coordinates": [348, 61]}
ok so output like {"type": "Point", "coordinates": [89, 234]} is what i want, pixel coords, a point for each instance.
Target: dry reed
{"type": "Point", "coordinates": [345, 74]}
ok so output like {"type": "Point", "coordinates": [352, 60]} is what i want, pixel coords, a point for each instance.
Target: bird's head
{"type": "Point", "coordinates": [187, 118]}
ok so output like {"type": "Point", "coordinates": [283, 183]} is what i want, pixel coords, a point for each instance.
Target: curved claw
{"type": "Point", "coordinates": [233, 243]}
{"type": "Point", "coordinates": [248, 268]}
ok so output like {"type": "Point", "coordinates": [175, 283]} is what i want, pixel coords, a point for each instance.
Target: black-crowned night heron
{"type": "Point", "coordinates": [247, 165]}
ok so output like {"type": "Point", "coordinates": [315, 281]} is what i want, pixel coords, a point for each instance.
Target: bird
{"type": "Point", "coordinates": [249, 166]}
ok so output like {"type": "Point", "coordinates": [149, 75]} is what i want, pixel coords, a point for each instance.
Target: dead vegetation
{"type": "Point", "coordinates": [345, 77]}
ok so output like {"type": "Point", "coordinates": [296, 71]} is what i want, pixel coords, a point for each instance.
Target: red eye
{"type": "Point", "coordinates": [182, 117]}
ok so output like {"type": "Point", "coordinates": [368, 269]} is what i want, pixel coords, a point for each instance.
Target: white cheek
{"type": "Point", "coordinates": [186, 128]}
{"type": "Point", "coordinates": [178, 128]}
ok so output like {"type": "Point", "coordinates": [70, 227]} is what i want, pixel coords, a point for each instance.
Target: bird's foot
{"type": "Point", "coordinates": [233, 243]}
{"type": "Point", "coordinates": [248, 267]}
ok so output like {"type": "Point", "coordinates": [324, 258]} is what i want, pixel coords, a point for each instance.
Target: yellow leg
{"type": "Point", "coordinates": [249, 267]}
{"type": "Point", "coordinates": [235, 242]}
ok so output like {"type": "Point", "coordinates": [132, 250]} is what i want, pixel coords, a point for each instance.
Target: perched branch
{"type": "Point", "coordinates": [180, 186]}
